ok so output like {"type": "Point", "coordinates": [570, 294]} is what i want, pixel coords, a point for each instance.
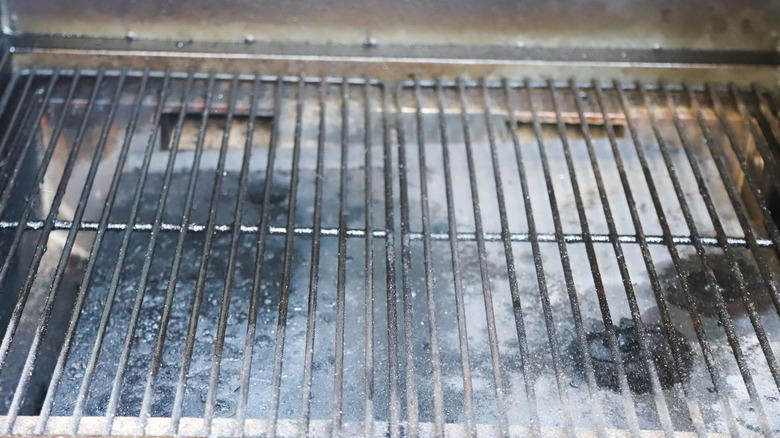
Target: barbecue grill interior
{"type": "Point", "coordinates": [207, 234]}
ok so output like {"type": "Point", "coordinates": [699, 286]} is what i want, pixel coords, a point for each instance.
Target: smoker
{"type": "Point", "coordinates": [373, 218]}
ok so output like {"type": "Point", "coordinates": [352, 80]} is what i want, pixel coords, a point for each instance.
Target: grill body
{"type": "Point", "coordinates": [224, 235]}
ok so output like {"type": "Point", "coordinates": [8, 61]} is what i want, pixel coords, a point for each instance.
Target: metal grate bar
{"type": "Point", "coordinates": [652, 239]}
{"type": "Point", "coordinates": [10, 87]}
{"type": "Point", "coordinates": [40, 246]}
{"type": "Point", "coordinates": [570, 287]}
{"type": "Point", "coordinates": [13, 248]}
{"type": "Point", "coordinates": [468, 390]}
{"type": "Point", "coordinates": [368, 414]}
{"type": "Point", "coordinates": [774, 97]}
{"type": "Point", "coordinates": [438, 400]}
{"type": "Point", "coordinates": [755, 319]}
{"type": "Point", "coordinates": [20, 104]}
{"type": "Point", "coordinates": [728, 324]}
{"type": "Point", "coordinates": [769, 159]}
{"type": "Point", "coordinates": [53, 209]}
{"type": "Point", "coordinates": [219, 341]}
{"type": "Point", "coordinates": [9, 90]}
{"type": "Point", "coordinates": [276, 376]}
{"type": "Point", "coordinates": [10, 181]}
{"type": "Point", "coordinates": [534, 239]}
{"type": "Point", "coordinates": [763, 264]}
{"type": "Point", "coordinates": [680, 272]}
{"type": "Point", "coordinates": [725, 318]}
{"type": "Point", "coordinates": [768, 222]}
{"type": "Point", "coordinates": [21, 387]}
{"type": "Point", "coordinates": [674, 340]}
{"type": "Point", "coordinates": [390, 261]}
{"type": "Point", "coordinates": [487, 293]}
{"type": "Point", "coordinates": [659, 398]}
{"type": "Point", "coordinates": [771, 120]}
{"type": "Point", "coordinates": [89, 373]}
{"type": "Point", "coordinates": [165, 315]}
{"type": "Point", "coordinates": [662, 279]}
{"type": "Point", "coordinates": [770, 225]}
{"type": "Point", "coordinates": [406, 261]}
{"type": "Point", "coordinates": [693, 408]}
{"type": "Point", "coordinates": [552, 333]}
{"type": "Point", "coordinates": [140, 289]}
{"type": "Point", "coordinates": [758, 137]}
{"type": "Point", "coordinates": [311, 317]}
{"type": "Point", "coordinates": [197, 300]}
{"type": "Point", "coordinates": [628, 406]}
{"type": "Point", "coordinates": [82, 294]}
{"type": "Point", "coordinates": [341, 275]}
{"type": "Point", "coordinates": [246, 369]}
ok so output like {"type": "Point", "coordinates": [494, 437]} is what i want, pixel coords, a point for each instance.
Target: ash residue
{"type": "Point", "coordinates": [704, 294]}
{"type": "Point", "coordinates": [629, 346]}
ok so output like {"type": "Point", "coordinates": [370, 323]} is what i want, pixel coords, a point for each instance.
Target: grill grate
{"type": "Point", "coordinates": [572, 258]}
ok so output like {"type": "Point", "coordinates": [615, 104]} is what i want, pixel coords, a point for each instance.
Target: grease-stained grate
{"type": "Point", "coordinates": [209, 254]}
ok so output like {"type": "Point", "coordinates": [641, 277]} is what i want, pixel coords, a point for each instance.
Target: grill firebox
{"type": "Point", "coordinates": [215, 254]}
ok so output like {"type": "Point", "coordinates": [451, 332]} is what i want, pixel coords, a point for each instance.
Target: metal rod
{"type": "Point", "coordinates": [673, 341]}
{"type": "Point", "coordinates": [381, 234]}
{"type": "Point", "coordinates": [741, 213]}
{"type": "Point", "coordinates": [314, 270]}
{"type": "Point", "coordinates": [438, 396]}
{"type": "Point", "coordinates": [140, 291]}
{"type": "Point", "coordinates": [64, 353]}
{"type": "Point", "coordinates": [165, 315]}
{"type": "Point", "coordinates": [658, 396]}
{"type": "Point", "coordinates": [681, 273]}
{"type": "Point", "coordinates": [29, 364]}
{"type": "Point", "coordinates": [390, 276]}
{"type": "Point", "coordinates": [341, 274]}
{"type": "Point", "coordinates": [460, 310]}
{"type": "Point", "coordinates": [124, 356]}
{"type": "Point", "coordinates": [728, 181]}
{"type": "Point", "coordinates": [606, 315]}
{"type": "Point", "coordinates": [412, 408]}
{"type": "Point", "coordinates": [200, 282]}
{"type": "Point", "coordinates": [42, 242]}
{"type": "Point", "coordinates": [227, 291]}
{"type": "Point", "coordinates": [265, 217]}
{"type": "Point", "coordinates": [749, 125]}
{"type": "Point", "coordinates": [763, 264]}
{"type": "Point", "coordinates": [368, 410]}
{"type": "Point", "coordinates": [771, 120]}
{"type": "Point", "coordinates": [487, 293]}
{"type": "Point", "coordinates": [544, 295]}
{"type": "Point", "coordinates": [31, 130]}
{"type": "Point", "coordinates": [768, 158]}
{"type": "Point", "coordinates": [94, 354]}
{"type": "Point", "coordinates": [725, 318]}
{"type": "Point", "coordinates": [553, 338]}
{"type": "Point", "coordinates": [730, 245]}
{"type": "Point", "coordinates": [774, 97]}
{"type": "Point", "coordinates": [20, 104]}
{"type": "Point", "coordinates": [571, 289]}
{"type": "Point", "coordinates": [10, 180]}
{"type": "Point", "coordinates": [6, 97]}
{"type": "Point", "coordinates": [11, 250]}
{"type": "Point", "coordinates": [284, 298]}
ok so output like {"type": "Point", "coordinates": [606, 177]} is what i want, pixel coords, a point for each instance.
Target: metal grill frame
{"type": "Point", "coordinates": [395, 141]}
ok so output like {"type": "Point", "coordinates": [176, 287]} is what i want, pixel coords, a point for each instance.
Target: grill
{"type": "Point", "coordinates": [208, 254]}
